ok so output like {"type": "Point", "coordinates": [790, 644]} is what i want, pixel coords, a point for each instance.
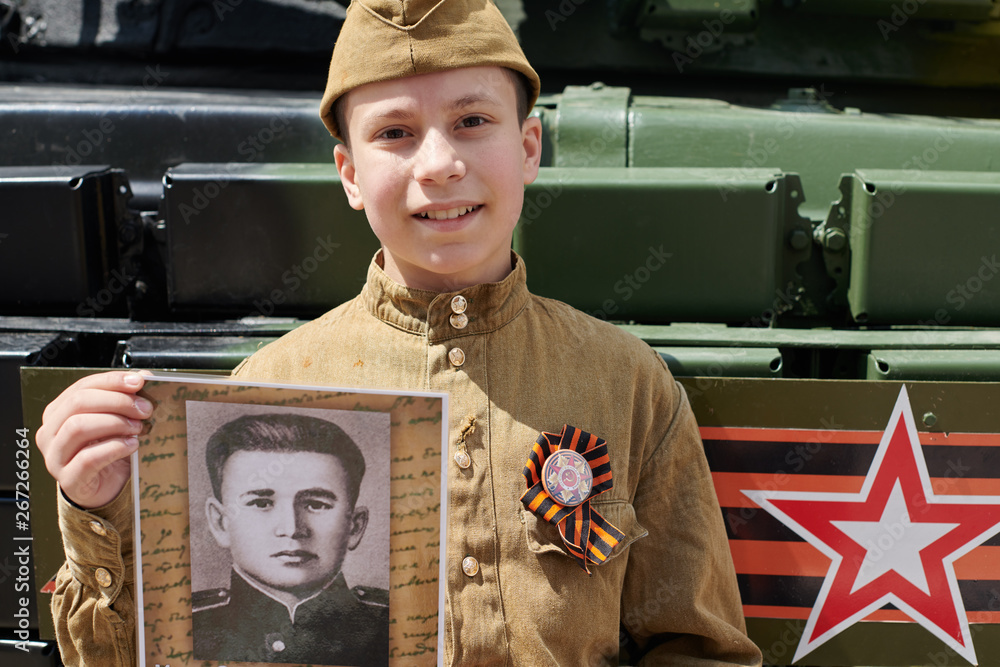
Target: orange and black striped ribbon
{"type": "Point", "coordinates": [588, 536]}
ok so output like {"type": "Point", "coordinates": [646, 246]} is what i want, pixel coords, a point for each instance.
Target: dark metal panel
{"type": "Point", "coordinates": [657, 245]}
{"type": "Point", "coordinates": [38, 654]}
{"type": "Point", "coordinates": [262, 239]}
{"type": "Point", "coordinates": [202, 352]}
{"type": "Point", "coordinates": [148, 128]}
{"type": "Point", "coordinates": [59, 245]}
{"type": "Point", "coordinates": [18, 350]}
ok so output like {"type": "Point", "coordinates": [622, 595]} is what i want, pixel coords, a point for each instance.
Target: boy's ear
{"type": "Point", "coordinates": [216, 515]}
{"type": "Point", "coordinates": [348, 176]}
{"type": "Point", "coordinates": [359, 521]}
{"type": "Point", "coordinates": [531, 142]}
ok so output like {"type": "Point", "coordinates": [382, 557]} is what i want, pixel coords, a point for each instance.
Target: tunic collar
{"type": "Point", "coordinates": [244, 594]}
{"type": "Point", "coordinates": [489, 306]}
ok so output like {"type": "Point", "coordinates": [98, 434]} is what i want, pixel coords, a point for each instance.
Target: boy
{"type": "Point", "coordinates": [437, 151]}
{"type": "Point", "coordinates": [288, 535]}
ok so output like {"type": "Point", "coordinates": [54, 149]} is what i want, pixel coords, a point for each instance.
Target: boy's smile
{"type": "Point", "coordinates": [439, 162]}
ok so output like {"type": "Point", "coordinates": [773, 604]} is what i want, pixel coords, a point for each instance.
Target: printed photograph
{"type": "Point", "coordinates": [289, 521]}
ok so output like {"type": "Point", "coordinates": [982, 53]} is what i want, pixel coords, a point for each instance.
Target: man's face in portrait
{"type": "Point", "coordinates": [287, 518]}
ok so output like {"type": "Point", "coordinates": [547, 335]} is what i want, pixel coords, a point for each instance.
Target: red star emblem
{"type": "Point", "coordinates": [893, 542]}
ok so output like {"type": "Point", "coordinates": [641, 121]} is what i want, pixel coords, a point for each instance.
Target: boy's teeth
{"type": "Point", "coordinates": [448, 214]}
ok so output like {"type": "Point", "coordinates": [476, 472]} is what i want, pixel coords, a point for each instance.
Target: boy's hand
{"type": "Point", "coordinates": [88, 433]}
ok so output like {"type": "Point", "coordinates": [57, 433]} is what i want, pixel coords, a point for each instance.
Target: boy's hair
{"type": "Point", "coordinates": [522, 93]}
{"type": "Point", "coordinates": [283, 433]}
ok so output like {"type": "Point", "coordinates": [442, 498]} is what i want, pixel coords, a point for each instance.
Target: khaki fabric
{"type": "Point", "coordinates": [383, 40]}
{"type": "Point", "coordinates": [95, 625]}
{"type": "Point", "coordinates": [531, 365]}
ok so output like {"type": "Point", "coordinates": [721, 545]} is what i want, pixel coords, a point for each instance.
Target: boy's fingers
{"type": "Point", "coordinates": [79, 430]}
{"type": "Point", "coordinates": [98, 472]}
{"type": "Point", "coordinates": [90, 401]}
{"type": "Point", "coordinates": [127, 382]}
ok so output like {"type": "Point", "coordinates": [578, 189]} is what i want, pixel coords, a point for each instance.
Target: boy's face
{"type": "Point", "coordinates": [438, 145]}
{"type": "Point", "coordinates": [289, 529]}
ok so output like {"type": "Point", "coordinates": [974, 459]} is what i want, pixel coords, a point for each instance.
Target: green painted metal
{"type": "Point", "coordinates": [963, 407]}
{"type": "Point", "coordinates": [756, 362]}
{"type": "Point", "coordinates": [923, 246]}
{"type": "Point", "coordinates": [749, 336]}
{"type": "Point", "coordinates": [818, 145]}
{"type": "Point", "coordinates": [661, 245]}
{"type": "Point", "coordinates": [889, 644]}
{"type": "Point", "coordinates": [591, 127]}
{"type": "Point", "coordinates": [958, 365]}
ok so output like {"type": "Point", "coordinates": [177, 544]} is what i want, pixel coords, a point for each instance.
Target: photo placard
{"type": "Point", "coordinates": [289, 525]}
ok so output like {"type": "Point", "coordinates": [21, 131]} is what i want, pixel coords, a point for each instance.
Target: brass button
{"type": "Point", "coordinates": [459, 304]}
{"type": "Point", "coordinates": [462, 459]}
{"type": "Point", "coordinates": [98, 528]}
{"type": "Point", "coordinates": [470, 566]}
{"type": "Point", "coordinates": [278, 646]}
{"type": "Point", "coordinates": [456, 356]}
{"type": "Point", "coordinates": [103, 577]}
{"type": "Point", "coordinates": [459, 320]}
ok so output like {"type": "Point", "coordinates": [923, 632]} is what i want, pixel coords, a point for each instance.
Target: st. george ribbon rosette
{"type": "Point", "coordinates": [563, 472]}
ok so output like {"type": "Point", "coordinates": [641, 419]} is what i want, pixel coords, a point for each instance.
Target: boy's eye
{"type": "Point", "coordinates": [316, 505]}
{"type": "Point", "coordinates": [393, 133]}
{"type": "Point", "coordinates": [473, 121]}
{"type": "Point", "coordinates": [261, 503]}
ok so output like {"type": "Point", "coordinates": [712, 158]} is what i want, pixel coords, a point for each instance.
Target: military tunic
{"type": "Point", "coordinates": [338, 626]}
{"type": "Point", "coordinates": [515, 365]}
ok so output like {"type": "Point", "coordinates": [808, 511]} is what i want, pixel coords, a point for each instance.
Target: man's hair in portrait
{"type": "Point", "coordinates": [283, 433]}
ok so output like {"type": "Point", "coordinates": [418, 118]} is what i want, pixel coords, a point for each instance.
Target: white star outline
{"type": "Point", "coordinates": [808, 643]}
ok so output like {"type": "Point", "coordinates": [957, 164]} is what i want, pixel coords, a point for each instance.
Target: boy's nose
{"type": "Point", "coordinates": [437, 160]}
{"type": "Point", "coordinates": [293, 523]}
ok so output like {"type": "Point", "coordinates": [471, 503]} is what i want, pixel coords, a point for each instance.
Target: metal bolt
{"type": "Point", "coordinates": [798, 239]}
{"type": "Point", "coordinates": [930, 419]}
{"type": "Point", "coordinates": [835, 239]}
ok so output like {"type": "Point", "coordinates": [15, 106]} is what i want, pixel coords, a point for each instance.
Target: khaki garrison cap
{"type": "Point", "coordinates": [383, 40]}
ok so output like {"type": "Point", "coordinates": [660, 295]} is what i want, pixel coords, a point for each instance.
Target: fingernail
{"type": "Point", "coordinates": [143, 406]}
{"type": "Point", "coordinates": [134, 423]}
{"type": "Point", "coordinates": [132, 442]}
{"type": "Point", "coordinates": [133, 379]}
